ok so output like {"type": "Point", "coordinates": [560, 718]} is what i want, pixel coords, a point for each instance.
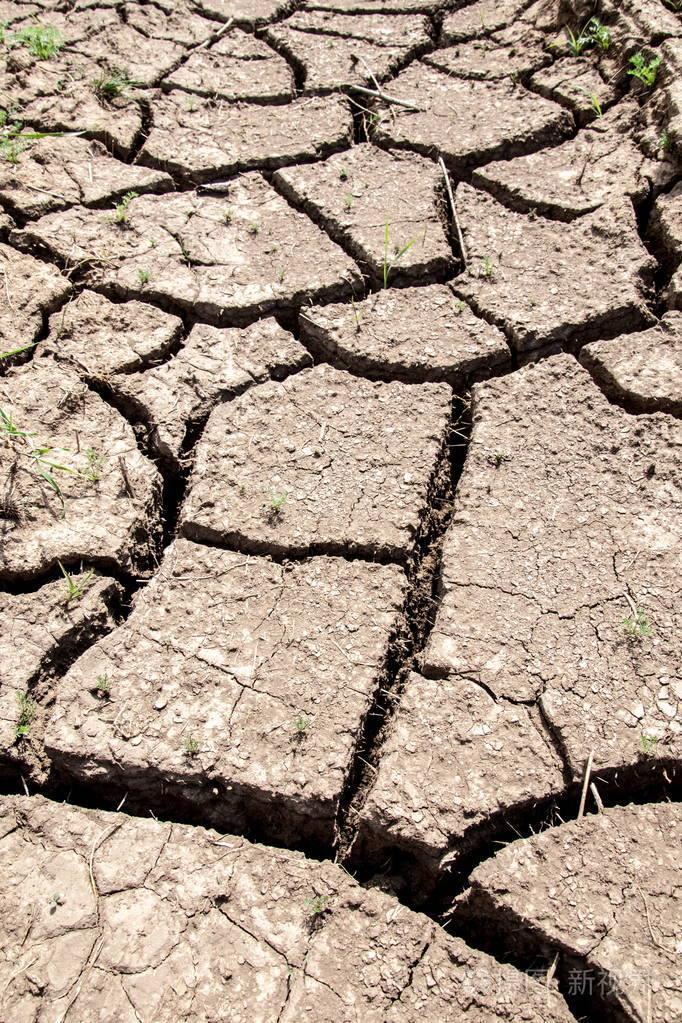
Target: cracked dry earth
{"type": "Point", "coordinates": [340, 526]}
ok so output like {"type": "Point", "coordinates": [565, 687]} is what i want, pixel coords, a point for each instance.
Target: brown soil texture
{"type": "Point", "coordinates": [340, 480]}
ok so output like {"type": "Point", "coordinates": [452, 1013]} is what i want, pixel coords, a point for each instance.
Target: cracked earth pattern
{"type": "Point", "coordinates": [340, 530]}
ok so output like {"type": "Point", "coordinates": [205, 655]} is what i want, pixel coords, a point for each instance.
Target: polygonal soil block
{"type": "Point", "coordinates": [665, 226]}
{"type": "Point", "coordinates": [599, 165]}
{"type": "Point", "coordinates": [250, 13]}
{"type": "Point", "coordinates": [412, 334]}
{"type": "Point", "coordinates": [99, 337]}
{"type": "Point", "coordinates": [161, 921]}
{"type": "Point", "coordinates": [225, 259]}
{"type": "Point", "coordinates": [560, 563]}
{"type": "Point", "coordinates": [576, 83]}
{"type": "Point", "coordinates": [237, 67]}
{"type": "Point", "coordinates": [213, 365]}
{"type": "Point", "coordinates": [98, 504]}
{"type": "Point", "coordinates": [53, 173]}
{"type": "Point", "coordinates": [203, 139]}
{"type": "Point", "coordinates": [324, 462]}
{"type": "Point", "coordinates": [335, 51]}
{"type": "Point", "coordinates": [39, 628]}
{"type": "Point", "coordinates": [374, 6]}
{"type": "Point", "coordinates": [480, 18]}
{"type": "Point", "coordinates": [239, 688]}
{"type": "Point", "coordinates": [381, 206]}
{"type": "Point", "coordinates": [492, 57]}
{"type": "Point", "coordinates": [455, 766]}
{"type": "Point", "coordinates": [604, 891]}
{"type": "Point", "coordinates": [467, 122]}
{"type": "Point", "coordinates": [544, 284]}
{"type": "Point", "coordinates": [641, 371]}
{"type": "Point", "coordinates": [31, 291]}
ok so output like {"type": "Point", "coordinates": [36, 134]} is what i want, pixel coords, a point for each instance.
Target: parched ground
{"type": "Point", "coordinates": [340, 511]}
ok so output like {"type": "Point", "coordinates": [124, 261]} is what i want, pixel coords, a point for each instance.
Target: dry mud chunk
{"type": "Point", "coordinates": [359, 195]}
{"type": "Point", "coordinates": [598, 165]}
{"type": "Point", "coordinates": [374, 6]}
{"type": "Point", "coordinates": [185, 928]}
{"type": "Point", "coordinates": [415, 334]}
{"type": "Point", "coordinates": [324, 461]}
{"type": "Point", "coordinates": [492, 58]}
{"type": "Point", "coordinates": [237, 67]}
{"type": "Point", "coordinates": [243, 254]}
{"type": "Point", "coordinates": [468, 122]}
{"type": "Point", "coordinates": [204, 139]}
{"type": "Point", "coordinates": [336, 50]}
{"type": "Point", "coordinates": [643, 371]}
{"type": "Point", "coordinates": [30, 291]}
{"type": "Point", "coordinates": [35, 627]}
{"type": "Point", "coordinates": [543, 284]}
{"type": "Point", "coordinates": [665, 225]}
{"type": "Point", "coordinates": [604, 891]}
{"type": "Point", "coordinates": [454, 762]}
{"type": "Point", "coordinates": [249, 13]}
{"type": "Point", "coordinates": [213, 365]}
{"type": "Point", "coordinates": [57, 172]}
{"type": "Point", "coordinates": [480, 18]}
{"type": "Point", "coordinates": [574, 82]}
{"type": "Point", "coordinates": [238, 685]}
{"type": "Point", "coordinates": [99, 337]}
{"type": "Point", "coordinates": [565, 519]}
{"type": "Point", "coordinates": [109, 495]}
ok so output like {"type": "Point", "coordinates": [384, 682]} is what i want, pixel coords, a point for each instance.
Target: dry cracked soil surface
{"type": "Point", "coordinates": [340, 511]}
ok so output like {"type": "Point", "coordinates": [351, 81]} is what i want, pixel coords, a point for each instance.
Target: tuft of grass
{"type": "Point", "coordinates": [75, 590]}
{"type": "Point", "coordinates": [43, 466]}
{"type": "Point", "coordinates": [649, 743]}
{"type": "Point", "coordinates": [253, 227]}
{"type": "Point", "coordinates": [109, 86]}
{"type": "Point", "coordinates": [487, 268]}
{"type": "Point", "coordinates": [643, 70]}
{"type": "Point", "coordinates": [120, 214]}
{"type": "Point", "coordinates": [665, 142]}
{"type": "Point", "coordinates": [94, 465]}
{"type": "Point", "coordinates": [301, 725]}
{"type": "Point", "coordinates": [397, 254]}
{"type": "Point", "coordinates": [42, 41]}
{"type": "Point", "coordinates": [103, 687]}
{"type": "Point", "coordinates": [191, 746]}
{"type": "Point", "coordinates": [637, 628]}
{"type": "Point", "coordinates": [277, 500]}
{"type": "Point", "coordinates": [143, 276]}
{"type": "Point", "coordinates": [317, 905]}
{"type": "Point", "coordinates": [27, 711]}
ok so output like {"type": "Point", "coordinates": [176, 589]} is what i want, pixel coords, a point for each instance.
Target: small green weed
{"type": "Point", "coordinates": [642, 70]}
{"type": "Point", "coordinates": [120, 214]}
{"type": "Point", "coordinates": [397, 254]}
{"type": "Point", "coordinates": [665, 142]}
{"type": "Point", "coordinates": [191, 746]}
{"type": "Point", "coordinates": [94, 465]}
{"type": "Point", "coordinates": [42, 41]}
{"type": "Point", "coordinates": [27, 711]}
{"type": "Point", "coordinates": [227, 216]}
{"type": "Point", "coordinates": [595, 104]}
{"type": "Point", "coordinates": [277, 500]}
{"type": "Point", "coordinates": [348, 201]}
{"type": "Point", "coordinates": [109, 86]}
{"type": "Point", "coordinates": [459, 307]}
{"type": "Point", "coordinates": [103, 687]}
{"type": "Point", "coordinates": [36, 455]}
{"type": "Point", "coordinates": [637, 627]}
{"type": "Point", "coordinates": [649, 743]}
{"type": "Point", "coordinates": [598, 34]}
{"type": "Point", "coordinates": [487, 268]}
{"type": "Point", "coordinates": [55, 902]}
{"type": "Point", "coordinates": [301, 725]}
{"type": "Point", "coordinates": [317, 905]}
{"type": "Point", "coordinates": [253, 227]}
{"type": "Point", "coordinates": [75, 590]}
{"type": "Point", "coordinates": [143, 276]}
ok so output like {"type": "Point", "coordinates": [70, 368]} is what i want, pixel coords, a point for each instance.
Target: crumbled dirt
{"type": "Point", "coordinates": [575, 82]}
{"type": "Point", "coordinates": [54, 173]}
{"type": "Point", "coordinates": [448, 121]}
{"type": "Point", "coordinates": [212, 366]}
{"type": "Point", "coordinates": [206, 139]}
{"type": "Point", "coordinates": [240, 255]}
{"type": "Point", "coordinates": [454, 759]}
{"type": "Point", "coordinates": [36, 628]}
{"type": "Point", "coordinates": [31, 290]}
{"type": "Point", "coordinates": [335, 51]}
{"type": "Point", "coordinates": [163, 921]}
{"type": "Point", "coordinates": [360, 195]}
{"type": "Point", "coordinates": [567, 598]}
{"type": "Point", "coordinates": [601, 163]}
{"type": "Point", "coordinates": [492, 57]}
{"type": "Point", "coordinates": [238, 688]}
{"type": "Point", "coordinates": [110, 519]}
{"type": "Point", "coordinates": [541, 283]}
{"type": "Point", "coordinates": [412, 334]}
{"type": "Point", "coordinates": [99, 337]}
{"type": "Point", "coordinates": [642, 371]}
{"type": "Point", "coordinates": [603, 891]}
{"type": "Point", "coordinates": [237, 67]}
{"type": "Point", "coordinates": [324, 461]}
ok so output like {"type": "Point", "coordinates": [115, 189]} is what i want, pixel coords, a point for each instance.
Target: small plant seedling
{"type": "Point", "coordinates": [254, 227]}
{"type": "Point", "coordinates": [348, 201]}
{"type": "Point", "coordinates": [56, 901]}
{"type": "Point", "coordinates": [75, 590]}
{"type": "Point", "coordinates": [598, 34]}
{"type": "Point", "coordinates": [42, 41]}
{"type": "Point", "coordinates": [398, 252]}
{"type": "Point", "coordinates": [498, 458]}
{"type": "Point", "coordinates": [35, 455]}
{"type": "Point", "coordinates": [642, 70]}
{"type": "Point", "coordinates": [301, 725]}
{"type": "Point", "coordinates": [595, 104]}
{"type": "Point", "coordinates": [357, 315]}
{"type": "Point", "coordinates": [143, 276]}
{"type": "Point", "coordinates": [191, 746]}
{"type": "Point", "coordinates": [27, 712]}
{"type": "Point", "coordinates": [637, 627]}
{"type": "Point", "coordinates": [576, 43]}
{"type": "Point", "coordinates": [227, 216]}
{"type": "Point", "coordinates": [317, 905]}
{"type": "Point", "coordinates": [487, 268]}
{"type": "Point", "coordinates": [120, 214]}
{"type": "Point", "coordinates": [649, 743]}
{"type": "Point", "coordinates": [103, 687]}
{"type": "Point", "coordinates": [460, 307]}
{"type": "Point", "coordinates": [665, 142]}
{"type": "Point", "coordinates": [277, 499]}
{"type": "Point", "coordinates": [108, 87]}
{"type": "Point", "coordinates": [95, 463]}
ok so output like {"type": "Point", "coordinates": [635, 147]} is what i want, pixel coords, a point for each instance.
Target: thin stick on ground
{"type": "Point", "coordinates": [377, 94]}
{"type": "Point", "coordinates": [586, 782]}
{"type": "Point", "coordinates": [453, 210]}
{"type": "Point", "coordinates": [597, 798]}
